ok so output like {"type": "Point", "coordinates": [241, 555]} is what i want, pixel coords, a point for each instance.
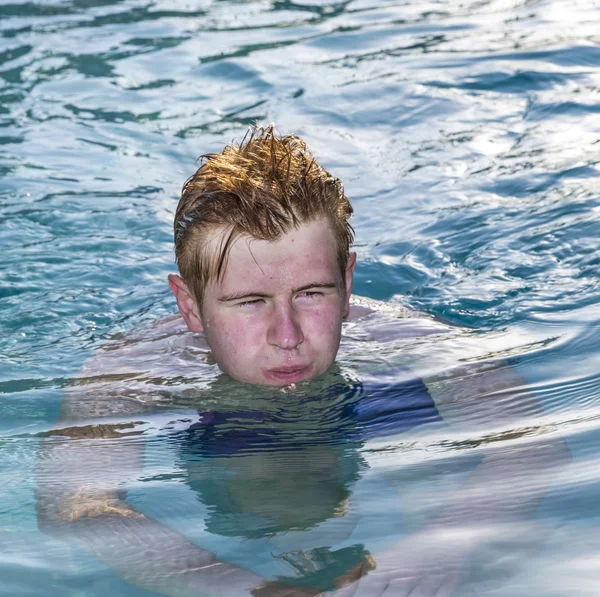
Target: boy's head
{"type": "Point", "coordinates": [262, 241]}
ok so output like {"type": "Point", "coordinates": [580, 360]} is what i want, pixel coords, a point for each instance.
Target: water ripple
{"type": "Point", "coordinates": [466, 135]}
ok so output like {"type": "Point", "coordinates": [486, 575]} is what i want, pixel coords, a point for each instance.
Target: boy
{"type": "Point", "coordinates": [262, 241]}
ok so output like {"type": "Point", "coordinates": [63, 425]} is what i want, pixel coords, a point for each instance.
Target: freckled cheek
{"type": "Point", "coordinates": [237, 336]}
{"type": "Point", "coordinates": [323, 326]}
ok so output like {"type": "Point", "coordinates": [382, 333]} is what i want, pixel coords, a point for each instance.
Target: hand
{"type": "Point", "coordinates": [279, 589]}
{"type": "Point", "coordinates": [430, 563]}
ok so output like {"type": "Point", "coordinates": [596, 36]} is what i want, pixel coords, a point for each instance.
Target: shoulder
{"type": "Point", "coordinates": [386, 321]}
{"type": "Point", "coordinates": [133, 372]}
{"type": "Point", "coordinates": [458, 366]}
{"type": "Point", "coordinates": [145, 348]}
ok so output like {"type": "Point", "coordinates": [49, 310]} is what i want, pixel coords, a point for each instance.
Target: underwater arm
{"type": "Point", "coordinates": [75, 505]}
{"type": "Point", "coordinates": [85, 463]}
{"type": "Point", "coordinates": [80, 472]}
{"type": "Point", "coordinates": [492, 404]}
{"type": "Point", "coordinates": [490, 516]}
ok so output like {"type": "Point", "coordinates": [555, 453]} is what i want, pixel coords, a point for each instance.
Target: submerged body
{"type": "Point", "coordinates": [283, 467]}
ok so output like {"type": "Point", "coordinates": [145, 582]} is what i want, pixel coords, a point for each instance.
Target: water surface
{"type": "Point", "coordinates": [467, 136]}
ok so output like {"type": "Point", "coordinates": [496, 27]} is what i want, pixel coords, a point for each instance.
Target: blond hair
{"type": "Point", "coordinates": [262, 187]}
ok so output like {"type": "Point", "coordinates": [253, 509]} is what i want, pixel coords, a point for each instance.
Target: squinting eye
{"type": "Point", "coordinates": [249, 303]}
{"type": "Point", "coordinates": [310, 294]}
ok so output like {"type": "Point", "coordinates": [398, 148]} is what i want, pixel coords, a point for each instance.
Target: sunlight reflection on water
{"type": "Point", "coordinates": [466, 135]}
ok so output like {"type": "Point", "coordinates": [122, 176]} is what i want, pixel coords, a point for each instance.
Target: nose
{"type": "Point", "coordinates": [285, 330]}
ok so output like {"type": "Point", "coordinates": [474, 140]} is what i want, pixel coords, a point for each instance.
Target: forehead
{"type": "Point", "coordinates": [304, 255]}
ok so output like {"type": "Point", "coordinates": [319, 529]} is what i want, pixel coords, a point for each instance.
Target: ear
{"type": "Point", "coordinates": [186, 303]}
{"type": "Point", "coordinates": [350, 266]}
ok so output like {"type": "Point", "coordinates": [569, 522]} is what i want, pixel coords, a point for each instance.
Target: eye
{"type": "Point", "coordinates": [249, 303]}
{"type": "Point", "coordinates": [310, 294]}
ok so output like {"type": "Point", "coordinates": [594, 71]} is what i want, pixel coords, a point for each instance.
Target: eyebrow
{"type": "Point", "coordinates": [246, 295]}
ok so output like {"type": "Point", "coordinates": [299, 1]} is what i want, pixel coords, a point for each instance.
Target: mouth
{"type": "Point", "coordinates": [285, 375]}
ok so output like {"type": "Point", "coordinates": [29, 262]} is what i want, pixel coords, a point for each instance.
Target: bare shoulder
{"type": "Point", "coordinates": [386, 321]}
{"type": "Point", "coordinates": [463, 369]}
{"type": "Point", "coordinates": [166, 339]}
{"type": "Point", "coordinates": [136, 371]}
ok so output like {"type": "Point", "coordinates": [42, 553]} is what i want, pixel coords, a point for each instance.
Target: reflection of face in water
{"type": "Point", "coordinates": [272, 492]}
{"type": "Point", "coordinates": [286, 464]}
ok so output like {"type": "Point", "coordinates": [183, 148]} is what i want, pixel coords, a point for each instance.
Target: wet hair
{"type": "Point", "coordinates": [262, 187]}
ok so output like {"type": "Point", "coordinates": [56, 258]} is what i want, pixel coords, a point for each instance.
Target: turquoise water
{"type": "Point", "coordinates": [467, 135]}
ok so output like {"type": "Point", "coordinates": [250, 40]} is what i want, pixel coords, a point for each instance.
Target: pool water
{"type": "Point", "coordinates": [467, 135]}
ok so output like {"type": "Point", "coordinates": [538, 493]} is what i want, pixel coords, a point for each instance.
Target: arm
{"type": "Point", "coordinates": [521, 457]}
{"type": "Point", "coordinates": [490, 411]}
{"type": "Point", "coordinates": [492, 402]}
{"type": "Point", "coordinates": [81, 472]}
{"type": "Point", "coordinates": [499, 496]}
{"type": "Point", "coordinates": [85, 464]}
